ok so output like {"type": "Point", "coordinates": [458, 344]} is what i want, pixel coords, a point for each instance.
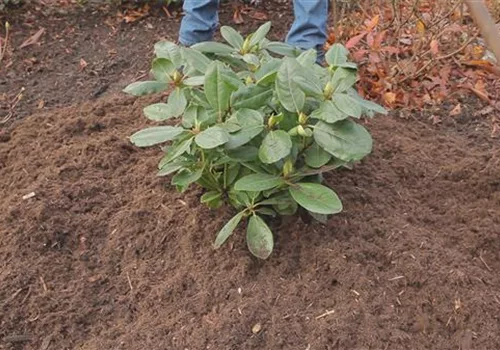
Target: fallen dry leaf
{"type": "Point", "coordinates": [33, 39]}
{"type": "Point", "coordinates": [456, 110]}
{"type": "Point", "coordinates": [355, 40]}
{"type": "Point", "coordinates": [237, 17]}
{"type": "Point", "coordinates": [83, 64]}
{"type": "Point", "coordinates": [258, 15]}
{"type": "Point", "coordinates": [434, 47]}
{"type": "Point", "coordinates": [390, 98]}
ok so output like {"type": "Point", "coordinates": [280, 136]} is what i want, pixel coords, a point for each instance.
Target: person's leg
{"type": "Point", "coordinates": [199, 21]}
{"type": "Point", "coordinates": [309, 29]}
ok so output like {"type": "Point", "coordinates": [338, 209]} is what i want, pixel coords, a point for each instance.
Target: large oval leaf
{"type": "Point", "coordinates": [289, 93]}
{"type": "Point", "coordinates": [228, 229]}
{"type": "Point", "coordinates": [217, 89]}
{"type": "Point", "coordinates": [169, 50]}
{"type": "Point", "coordinates": [158, 112]}
{"type": "Point", "coordinates": [316, 198]}
{"type": "Point", "coordinates": [345, 140]}
{"type": "Point", "coordinates": [347, 105]}
{"type": "Point", "coordinates": [213, 47]}
{"type": "Point", "coordinates": [196, 60]}
{"type": "Point", "coordinates": [328, 112]}
{"type": "Point", "coordinates": [177, 102]}
{"type": "Point", "coordinates": [175, 151]}
{"type": "Point", "coordinates": [252, 124]}
{"type": "Point", "coordinates": [252, 97]}
{"type": "Point", "coordinates": [162, 68]}
{"type": "Point", "coordinates": [194, 81]}
{"type": "Point", "coordinates": [212, 137]}
{"type": "Point", "coordinates": [336, 55]}
{"type": "Point", "coordinates": [258, 182]}
{"type": "Point", "coordinates": [275, 146]}
{"type": "Point", "coordinates": [316, 157]}
{"type": "Point", "coordinates": [232, 37]}
{"type": "Point", "coordinates": [260, 239]}
{"type": "Point", "coordinates": [260, 34]}
{"type": "Point", "coordinates": [282, 49]}
{"type": "Point", "coordinates": [141, 88]}
{"type": "Point", "coordinates": [155, 135]}
{"type": "Point", "coordinates": [343, 79]}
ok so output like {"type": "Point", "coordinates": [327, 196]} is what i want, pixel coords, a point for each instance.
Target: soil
{"type": "Point", "coordinates": [105, 255]}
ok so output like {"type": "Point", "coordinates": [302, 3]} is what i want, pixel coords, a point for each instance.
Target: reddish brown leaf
{"type": "Point", "coordinates": [434, 47]}
{"type": "Point", "coordinates": [370, 25]}
{"type": "Point", "coordinates": [456, 110]}
{"type": "Point", "coordinates": [237, 17]}
{"type": "Point", "coordinates": [261, 16]}
{"type": "Point", "coordinates": [83, 64]}
{"type": "Point", "coordinates": [389, 98]}
{"type": "Point", "coordinates": [355, 40]}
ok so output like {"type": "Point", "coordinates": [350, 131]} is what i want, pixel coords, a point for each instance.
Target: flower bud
{"type": "Point", "coordinates": [328, 91]}
{"type": "Point", "coordinates": [293, 132]}
{"type": "Point", "coordinates": [302, 118]}
{"type": "Point", "coordinates": [287, 167]}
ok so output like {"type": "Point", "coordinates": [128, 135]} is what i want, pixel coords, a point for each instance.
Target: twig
{"type": "Point", "coordinates": [4, 48]}
{"type": "Point", "coordinates": [325, 314]}
{"type": "Point", "coordinates": [130, 283]}
{"type": "Point", "coordinates": [485, 264]}
{"type": "Point", "coordinates": [43, 284]}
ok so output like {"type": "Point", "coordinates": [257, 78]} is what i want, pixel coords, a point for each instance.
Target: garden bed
{"type": "Point", "coordinates": [102, 254]}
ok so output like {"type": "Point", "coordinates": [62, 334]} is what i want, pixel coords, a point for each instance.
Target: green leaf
{"type": "Point", "coordinates": [347, 105]}
{"type": "Point", "coordinates": [266, 211]}
{"type": "Point", "coordinates": [232, 37]}
{"type": "Point", "coordinates": [267, 68]}
{"type": "Point", "coordinates": [212, 199]}
{"type": "Point", "coordinates": [252, 97]}
{"type": "Point", "coordinates": [345, 140]}
{"type": "Point", "coordinates": [177, 102]}
{"type": "Point", "coordinates": [251, 59]}
{"type": "Point", "coordinates": [316, 198]}
{"type": "Point", "coordinates": [161, 69]}
{"type": "Point", "coordinates": [212, 47]}
{"type": "Point", "coordinates": [275, 146]}
{"type": "Point", "coordinates": [217, 90]}
{"type": "Point", "coordinates": [168, 50]}
{"type": "Point", "coordinates": [343, 79]}
{"type": "Point", "coordinates": [308, 82]}
{"type": "Point", "coordinates": [185, 178]}
{"type": "Point", "coordinates": [259, 238]}
{"type": "Point", "coordinates": [196, 59]}
{"type": "Point", "coordinates": [260, 34]}
{"type": "Point", "coordinates": [190, 115]}
{"type": "Point", "coordinates": [252, 124]}
{"type": "Point", "coordinates": [328, 112]}
{"type": "Point", "coordinates": [175, 151]}
{"type": "Point", "coordinates": [232, 173]}
{"type": "Point", "coordinates": [169, 169]}
{"type": "Point", "coordinates": [194, 81]}
{"type": "Point", "coordinates": [228, 229]}
{"type": "Point", "coordinates": [244, 154]}
{"type": "Point", "coordinates": [282, 49]}
{"type": "Point", "coordinates": [289, 93]}
{"type": "Point", "coordinates": [316, 157]}
{"type": "Point", "coordinates": [369, 105]}
{"type": "Point", "coordinates": [258, 182]}
{"type": "Point", "coordinates": [212, 137]}
{"type": "Point", "coordinates": [141, 88]}
{"type": "Point", "coordinates": [336, 55]}
{"type": "Point", "coordinates": [158, 112]}
{"type": "Point", "coordinates": [307, 58]}
{"type": "Point", "coordinates": [155, 135]}
{"type": "Point", "coordinates": [322, 218]}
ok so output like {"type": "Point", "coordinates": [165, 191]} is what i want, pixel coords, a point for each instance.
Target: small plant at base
{"type": "Point", "coordinates": [255, 130]}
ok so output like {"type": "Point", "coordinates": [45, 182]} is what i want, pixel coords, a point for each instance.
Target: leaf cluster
{"type": "Point", "coordinates": [255, 123]}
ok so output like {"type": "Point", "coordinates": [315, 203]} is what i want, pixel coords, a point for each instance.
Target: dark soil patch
{"type": "Point", "coordinates": [107, 256]}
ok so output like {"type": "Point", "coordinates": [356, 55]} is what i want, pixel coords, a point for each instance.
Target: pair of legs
{"type": "Point", "coordinates": [309, 29]}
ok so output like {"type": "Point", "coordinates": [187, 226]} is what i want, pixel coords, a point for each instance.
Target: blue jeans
{"type": "Point", "coordinates": [309, 29]}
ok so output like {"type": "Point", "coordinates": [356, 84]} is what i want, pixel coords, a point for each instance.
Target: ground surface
{"type": "Point", "coordinates": [105, 256]}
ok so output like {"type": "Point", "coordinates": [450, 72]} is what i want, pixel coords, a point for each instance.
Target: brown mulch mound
{"type": "Point", "coordinates": [107, 256]}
